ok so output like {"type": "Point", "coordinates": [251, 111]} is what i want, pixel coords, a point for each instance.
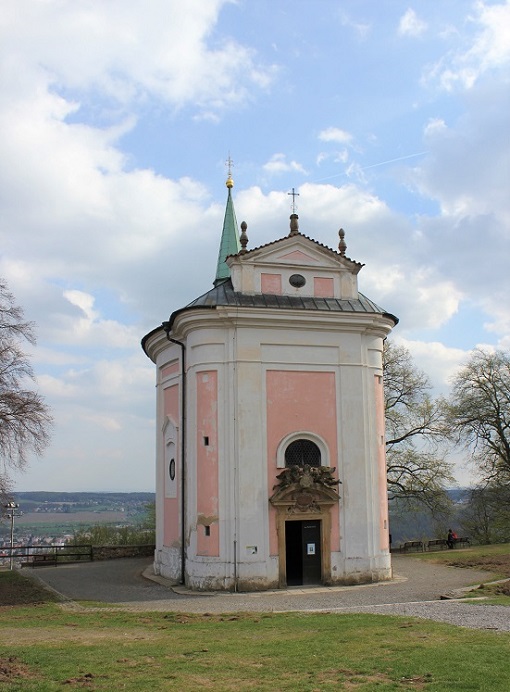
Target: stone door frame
{"type": "Point", "coordinates": [324, 516]}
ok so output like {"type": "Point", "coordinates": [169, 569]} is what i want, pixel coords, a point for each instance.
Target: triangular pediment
{"type": "Point", "coordinates": [299, 250]}
{"type": "Point", "coordinates": [295, 266]}
{"type": "Point", "coordinates": [298, 256]}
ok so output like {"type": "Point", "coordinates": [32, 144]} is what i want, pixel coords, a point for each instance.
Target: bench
{"type": "Point", "coordinates": [462, 541]}
{"type": "Point", "coordinates": [437, 544]}
{"type": "Point", "coordinates": [409, 546]}
{"type": "Point", "coordinates": [44, 559]}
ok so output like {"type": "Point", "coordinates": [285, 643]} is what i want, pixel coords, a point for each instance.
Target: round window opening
{"type": "Point", "coordinates": [297, 280]}
{"type": "Point", "coordinates": [171, 469]}
{"type": "Point", "coordinates": [301, 452]}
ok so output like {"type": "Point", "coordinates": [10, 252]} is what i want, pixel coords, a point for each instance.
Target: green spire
{"type": "Point", "coordinates": [230, 244]}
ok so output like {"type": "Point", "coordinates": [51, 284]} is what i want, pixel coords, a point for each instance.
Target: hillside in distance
{"type": "Point", "coordinates": [47, 513]}
{"type": "Point", "coordinates": [73, 503]}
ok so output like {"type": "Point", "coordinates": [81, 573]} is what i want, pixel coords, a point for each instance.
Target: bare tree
{"type": "Point", "coordinates": [416, 465]}
{"type": "Point", "coordinates": [485, 515]}
{"type": "Point", "coordinates": [25, 419]}
{"type": "Point", "coordinates": [479, 413]}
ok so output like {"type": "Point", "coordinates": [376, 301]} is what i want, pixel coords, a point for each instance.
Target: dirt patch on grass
{"type": "Point", "coordinates": [492, 563]}
{"type": "Point", "coordinates": [499, 589]}
{"type": "Point", "coordinates": [11, 636]}
{"type": "Point", "coordinates": [352, 680]}
{"type": "Point", "coordinates": [12, 670]}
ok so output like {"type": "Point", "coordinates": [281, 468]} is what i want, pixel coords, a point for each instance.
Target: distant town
{"type": "Point", "coordinates": [52, 518]}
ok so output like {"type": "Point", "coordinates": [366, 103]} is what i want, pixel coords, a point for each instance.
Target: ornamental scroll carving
{"type": "Point", "coordinates": [305, 488]}
{"type": "Point", "coordinates": [307, 477]}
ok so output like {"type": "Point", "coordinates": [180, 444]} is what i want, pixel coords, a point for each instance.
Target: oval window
{"type": "Point", "coordinates": [171, 469]}
{"type": "Point", "coordinates": [297, 280]}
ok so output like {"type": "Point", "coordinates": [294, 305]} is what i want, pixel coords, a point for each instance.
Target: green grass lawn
{"type": "Point", "coordinates": [46, 646]}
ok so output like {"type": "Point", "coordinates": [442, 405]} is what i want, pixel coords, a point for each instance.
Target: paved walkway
{"type": "Point", "coordinates": [416, 590]}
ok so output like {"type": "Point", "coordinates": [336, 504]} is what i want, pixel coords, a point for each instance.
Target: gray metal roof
{"type": "Point", "coordinates": [223, 294]}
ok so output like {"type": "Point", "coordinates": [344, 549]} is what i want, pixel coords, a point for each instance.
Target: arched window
{"type": "Point", "coordinates": [301, 452]}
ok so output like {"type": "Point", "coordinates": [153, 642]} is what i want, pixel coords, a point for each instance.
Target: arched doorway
{"type": "Point", "coordinates": [303, 500]}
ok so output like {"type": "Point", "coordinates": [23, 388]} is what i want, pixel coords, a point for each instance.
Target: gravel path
{"type": "Point", "coordinates": [415, 591]}
{"type": "Point", "coordinates": [475, 616]}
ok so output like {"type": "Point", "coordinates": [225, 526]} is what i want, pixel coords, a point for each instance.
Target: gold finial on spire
{"type": "Point", "coordinates": [229, 164]}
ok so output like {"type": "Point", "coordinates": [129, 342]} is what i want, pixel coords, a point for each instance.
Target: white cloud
{"type": "Point", "coordinates": [362, 29]}
{"type": "Point", "coordinates": [438, 361]}
{"type": "Point", "coordinates": [84, 301]}
{"type": "Point", "coordinates": [335, 134]}
{"type": "Point", "coordinates": [341, 156]}
{"type": "Point", "coordinates": [468, 159]}
{"type": "Point", "coordinates": [487, 50]}
{"type": "Point", "coordinates": [418, 296]}
{"type": "Point", "coordinates": [54, 387]}
{"type": "Point", "coordinates": [497, 307]}
{"type": "Point", "coordinates": [125, 52]}
{"type": "Point", "coordinates": [278, 164]}
{"type": "Point", "coordinates": [355, 171]}
{"type": "Point", "coordinates": [435, 126]}
{"type": "Point", "coordinates": [465, 171]}
{"type": "Point", "coordinates": [86, 327]}
{"type": "Point", "coordinates": [105, 422]}
{"type": "Point", "coordinates": [411, 25]}
{"type": "Point", "coordinates": [347, 202]}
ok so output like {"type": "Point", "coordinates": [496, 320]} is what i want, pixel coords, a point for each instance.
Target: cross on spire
{"type": "Point", "coordinates": [229, 164]}
{"type": "Point", "coordinates": [294, 195]}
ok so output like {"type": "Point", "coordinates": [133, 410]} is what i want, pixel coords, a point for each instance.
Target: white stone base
{"type": "Point", "coordinates": [212, 574]}
{"type": "Point", "coordinates": [167, 563]}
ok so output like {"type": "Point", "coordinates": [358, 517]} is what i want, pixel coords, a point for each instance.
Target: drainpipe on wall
{"type": "Point", "coordinates": [166, 327]}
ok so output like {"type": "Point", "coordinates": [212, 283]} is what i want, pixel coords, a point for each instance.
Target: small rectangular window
{"type": "Point", "coordinates": [207, 530]}
{"type": "Point", "coordinates": [206, 440]}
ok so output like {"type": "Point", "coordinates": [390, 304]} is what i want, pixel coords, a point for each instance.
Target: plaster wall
{"type": "Point", "coordinates": [299, 403]}
{"type": "Point", "coordinates": [384, 543]}
{"type": "Point", "coordinates": [171, 442]}
{"type": "Point", "coordinates": [268, 377]}
{"type": "Point", "coordinates": [167, 558]}
{"type": "Point", "coordinates": [207, 463]}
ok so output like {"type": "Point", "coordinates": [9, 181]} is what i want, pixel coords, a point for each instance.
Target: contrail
{"type": "Point", "coordinates": [400, 158]}
{"type": "Point", "coordinates": [373, 165]}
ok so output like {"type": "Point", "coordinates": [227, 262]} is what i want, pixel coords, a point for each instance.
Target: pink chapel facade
{"type": "Point", "coordinates": [271, 466]}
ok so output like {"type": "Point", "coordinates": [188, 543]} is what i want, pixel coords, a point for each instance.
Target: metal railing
{"type": "Point", "coordinates": [49, 555]}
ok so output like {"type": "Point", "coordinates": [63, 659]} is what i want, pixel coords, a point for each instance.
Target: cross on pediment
{"type": "Point", "coordinates": [294, 194]}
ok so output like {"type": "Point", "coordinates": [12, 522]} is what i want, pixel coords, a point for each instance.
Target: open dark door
{"type": "Point", "coordinates": [303, 552]}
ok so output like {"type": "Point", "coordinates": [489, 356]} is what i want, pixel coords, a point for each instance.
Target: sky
{"type": "Point", "coordinates": [390, 119]}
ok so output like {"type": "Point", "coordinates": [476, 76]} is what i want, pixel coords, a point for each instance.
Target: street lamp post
{"type": "Point", "coordinates": [10, 511]}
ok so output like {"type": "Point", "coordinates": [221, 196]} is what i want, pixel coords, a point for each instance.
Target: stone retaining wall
{"type": "Point", "coordinates": [111, 552]}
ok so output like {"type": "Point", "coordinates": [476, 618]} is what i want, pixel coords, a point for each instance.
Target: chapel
{"type": "Point", "coordinates": [271, 469]}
